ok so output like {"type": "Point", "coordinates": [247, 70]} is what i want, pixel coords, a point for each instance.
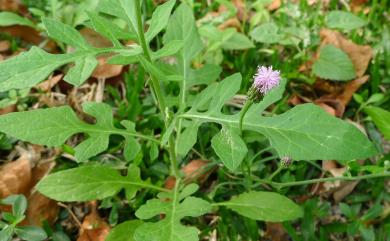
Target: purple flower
{"type": "Point", "coordinates": [265, 79]}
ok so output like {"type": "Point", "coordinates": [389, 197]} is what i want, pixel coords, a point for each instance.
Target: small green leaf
{"type": "Point", "coordinates": [19, 206]}
{"type": "Point", "coordinates": [334, 64]}
{"type": "Point", "coordinates": [237, 41]}
{"type": "Point", "coordinates": [187, 139]}
{"type": "Point", "coordinates": [381, 119]}
{"type": "Point", "coordinates": [124, 231]}
{"type": "Point", "coordinates": [9, 19]}
{"type": "Point", "coordinates": [175, 206]}
{"type": "Point", "coordinates": [204, 76]}
{"type": "Point", "coordinates": [168, 49]}
{"type": "Point", "coordinates": [31, 233]}
{"type": "Point", "coordinates": [344, 20]}
{"type": "Point", "coordinates": [229, 146]}
{"type": "Point", "coordinates": [266, 33]}
{"type": "Point", "coordinates": [82, 70]}
{"type": "Point", "coordinates": [64, 33]}
{"type": "Point", "coordinates": [264, 206]}
{"type": "Point", "coordinates": [90, 183]}
{"type": "Point", "coordinates": [160, 19]}
{"type": "Point", "coordinates": [6, 233]}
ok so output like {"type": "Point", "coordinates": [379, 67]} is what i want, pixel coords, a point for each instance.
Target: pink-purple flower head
{"type": "Point", "coordinates": [265, 79]}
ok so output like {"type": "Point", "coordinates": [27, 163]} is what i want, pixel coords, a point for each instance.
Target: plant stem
{"type": "Point", "coordinates": [157, 90]}
{"type": "Point", "coordinates": [276, 172]}
{"type": "Point", "coordinates": [243, 111]}
{"type": "Point", "coordinates": [326, 179]}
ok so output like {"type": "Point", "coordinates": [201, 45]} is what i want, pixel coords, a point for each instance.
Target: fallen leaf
{"type": "Point", "coordinates": [231, 23]}
{"type": "Point", "coordinates": [4, 45]}
{"type": "Point", "coordinates": [10, 5]}
{"type": "Point", "coordinates": [93, 228]}
{"type": "Point", "coordinates": [8, 109]}
{"type": "Point", "coordinates": [350, 88]}
{"type": "Point", "coordinates": [41, 208]}
{"type": "Point", "coordinates": [105, 70]}
{"type": "Point", "coordinates": [275, 232]}
{"type": "Point", "coordinates": [26, 33]}
{"type": "Point", "coordinates": [194, 171]}
{"type": "Point", "coordinates": [15, 177]}
{"type": "Point", "coordinates": [49, 83]}
{"type": "Point", "coordinates": [275, 4]}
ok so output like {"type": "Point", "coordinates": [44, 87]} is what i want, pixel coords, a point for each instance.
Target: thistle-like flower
{"type": "Point", "coordinates": [265, 79]}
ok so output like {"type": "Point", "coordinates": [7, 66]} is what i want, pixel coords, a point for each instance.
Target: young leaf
{"type": "Point", "coordinates": [334, 64]}
{"type": "Point", "coordinates": [124, 231]}
{"type": "Point", "coordinates": [229, 146]}
{"type": "Point", "coordinates": [31, 233]}
{"type": "Point", "coordinates": [381, 119]}
{"type": "Point", "coordinates": [175, 206]}
{"type": "Point", "coordinates": [9, 19]}
{"type": "Point", "coordinates": [19, 206]}
{"type": "Point", "coordinates": [305, 132]}
{"type": "Point", "coordinates": [160, 19]}
{"type": "Point", "coordinates": [90, 183]}
{"type": "Point", "coordinates": [344, 20]}
{"type": "Point", "coordinates": [64, 33]}
{"type": "Point", "coordinates": [53, 126]}
{"type": "Point", "coordinates": [6, 233]}
{"type": "Point", "coordinates": [264, 206]}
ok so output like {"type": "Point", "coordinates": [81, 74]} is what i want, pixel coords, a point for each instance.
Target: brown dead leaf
{"type": "Point", "coordinates": [274, 5]}
{"type": "Point", "coordinates": [49, 83]}
{"type": "Point", "coordinates": [15, 177]}
{"type": "Point", "coordinates": [275, 232]}
{"type": "Point", "coordinates": [26, 33]}
{"type": "Point", "coordinates": [10, 5]}
{"type": "Point", "coordinates": [231, 23]}
{"type": "Point", "coordinates": [4, 45]}
{"type": "Point", "coordinates": [93, 228]}
{"type": "Point", "coordinates": [105, 70]}
{"type": "Point", "coordinates": [350, 88]}
{"type": "Point", "coordinates": [8, 109]}
{"type": "Point", "coordinates": [194, 171]}
{"type": "Point", "coordinates": [357, 5]}
{"type": "Point", "coordinates": [360, 54]}
{"type": "Point", "coordinates": [41, 208]}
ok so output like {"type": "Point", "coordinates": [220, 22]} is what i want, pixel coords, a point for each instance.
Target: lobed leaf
{"type": "Point", "coordinates": [89, 183]}
{"type": "Point", "coordinates": [175, 206]}
{"type": "Point", "coordinates": [53, 126]}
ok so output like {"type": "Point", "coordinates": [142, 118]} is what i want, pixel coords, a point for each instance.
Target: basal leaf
{"type": "Point", "coordinates": [381, 119]}
{"type": "Point", "coordinates": [53, 126]}
{"type": "Point", "coordinates": [265, 206]}
{"type": "Point", "coordinates": [175, 207]}
{"type": "Point", "coordinates": [9, 19]}
{"type": "Point", "coordinates": [229, 146]}
{"type": "Point", "coordinates": [305, 132]}
{"type": "Point", "coordinates": [344, 20]}
{"type": "Point", "coordinates": [334, 64]}
{"type": "Point", "coordinates": [237, 41]}
{"type": "Point", "coordinates": [88, 183]}
{"type": "Point", "coordinates": [159, 19]}
{"type": "Point", "coordinates": [64, 33]}
{"type": "Point", "coordinates": [124, 231]}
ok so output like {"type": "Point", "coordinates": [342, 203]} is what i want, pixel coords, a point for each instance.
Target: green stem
{"type": "Point", "coordinates": [157, 90]}
{"type": "Point", "coordinates": [243, 111]}
{"type": "Point", "coordinates": [276, 172]}
{"type": "Point", "coordinates": [326, 179]}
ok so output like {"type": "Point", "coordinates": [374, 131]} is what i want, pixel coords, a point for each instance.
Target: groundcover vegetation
{"type": "Point", "coordinates": [192, 120]}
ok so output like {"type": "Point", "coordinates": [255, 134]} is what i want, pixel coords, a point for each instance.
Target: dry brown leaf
{"type": "Point", "coordinates": [8, 109]}
{"type": "Point", "coordinates": [15, 177]}
{"type": "Point", "coordinates": [275, 232]}
{"type": "Point", "coordinates": [4, 45]}
{"type": "Point", "coordinates": [194, 171]}
{"type": "Point", "coordinates": [360, 55]}
{"type": "Point", "coordinates": [28, 34]}
{"type": "Point", "coordinates": [350, 88]}
{"type": "Point", "coordinates": [231, 23]}
{"type": "Point", "coordinates": [49, 83]}
{"type": "Point", "coordinates": [105, 70]}
{"type": "Point", "coordinates": [93, 228]}
{"type": "Point", "coordinates": [274, 5]}
{"type": "Point", "coordinates": [41, 208]}
{"type": "Point", "coordinates": [10, 5]}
